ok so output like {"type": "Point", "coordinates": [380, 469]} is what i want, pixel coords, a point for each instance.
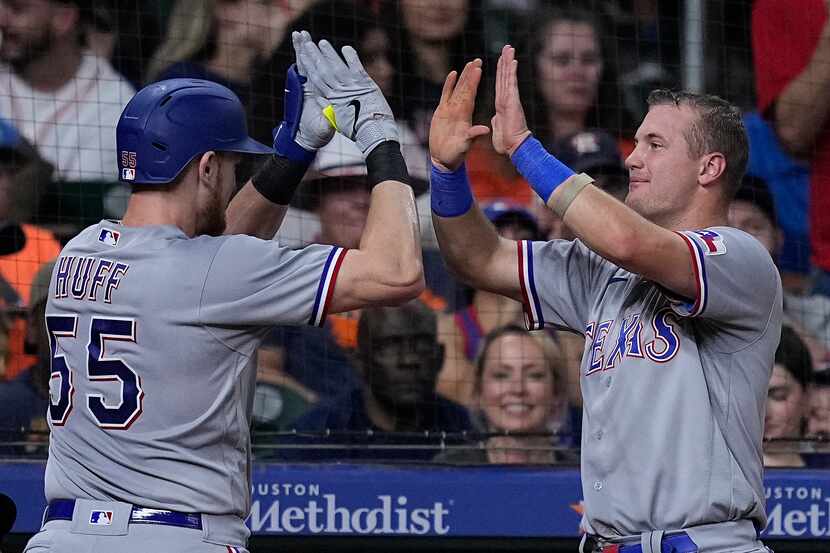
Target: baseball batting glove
{"type": "Point", "coordinates": [351, 101]}
{"type": "Point", "coordinates": [304, 128]}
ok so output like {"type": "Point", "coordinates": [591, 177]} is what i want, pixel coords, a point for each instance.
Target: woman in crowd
{"type": "Point", "coordinates": [568, 80]}
{"type": "Point", "coordinates": [436, 37]}
{"type": "Point", "coordinates": [519, 401]}
{"type": "Point", "coordinates": [568, 84]}
{"type": "Point", "coordinates": [787, 399]}
{"type": "Point", "coordinates": [220, 40]}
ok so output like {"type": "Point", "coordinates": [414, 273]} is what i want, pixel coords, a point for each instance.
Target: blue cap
{"type": "Point", "coordinates": [169, 123]}
{"type": "Point", "coordinates": [501, 211]}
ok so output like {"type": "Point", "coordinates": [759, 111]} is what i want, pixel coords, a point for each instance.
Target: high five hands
{"type": "Point", "coordinates": [451, 132]}
{"type": "Point", "coordinates": [509, 125]}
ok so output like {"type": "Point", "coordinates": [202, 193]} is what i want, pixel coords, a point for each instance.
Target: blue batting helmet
{"type": "Point", "coordinates": [168, 123]}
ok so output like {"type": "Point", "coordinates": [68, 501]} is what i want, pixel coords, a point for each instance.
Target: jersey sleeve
{"type": "Point", "coordinates": [736, 279]}
{"type": "Point", "coordinates": [559, 282]}
{"type": "Point", "coordinates": [258, 282]}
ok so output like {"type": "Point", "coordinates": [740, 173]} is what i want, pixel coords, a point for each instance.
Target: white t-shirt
{"type": "Point", "coordinates": [72, 127]}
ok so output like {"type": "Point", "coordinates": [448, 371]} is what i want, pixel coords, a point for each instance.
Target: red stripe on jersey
{"type": "Point", "coordinates": [695, 261]}
{"type": "Point", "coordinates": [332, 282]}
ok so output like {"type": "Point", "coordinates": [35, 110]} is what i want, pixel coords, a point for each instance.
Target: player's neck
{"type": "Point", "coordinates": [155, 207]}
{"type": "Point", "coordinates": [694, 217]}
{"type": "Point", "coordinates": [54, 69]}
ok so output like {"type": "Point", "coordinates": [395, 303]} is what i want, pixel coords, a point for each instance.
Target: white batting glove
{"type": "Point", "coordinates": [350, 99]}
{"type": "Point", "coordinates": [314, 130]}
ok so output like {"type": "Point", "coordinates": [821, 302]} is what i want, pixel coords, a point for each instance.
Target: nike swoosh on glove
{"type": "Point", "coordinates": [352, 101]}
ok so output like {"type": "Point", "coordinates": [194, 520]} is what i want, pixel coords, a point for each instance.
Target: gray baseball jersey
{"type": "Point", "coordinates": [154, 338]}
{"type": "Point", "coordinates": [674, 392]}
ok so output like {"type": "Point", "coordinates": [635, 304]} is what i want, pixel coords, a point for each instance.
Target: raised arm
{"type": "Point", "coordinates": [387, 267]}
{"type": "Point", "coordinates": [259, 207]}
{"type": "Point", "coordinates": [605, 225]}
{"type": "Point", "coordinates": [469, 243]}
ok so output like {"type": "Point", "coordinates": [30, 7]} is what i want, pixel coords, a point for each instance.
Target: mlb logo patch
{"type": "Point", "coordinates": [109, 237]}
{"type": "Point", "coordinates": [714, 242]}
{"type": "Point", "coordinates": [127, 173]}
{"type": "Point", "coordinates": [100, 518]}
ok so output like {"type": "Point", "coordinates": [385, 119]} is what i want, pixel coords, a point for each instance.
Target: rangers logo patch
{"type": "Point", "coordinates": [714, 242]}
{"type": "Point", "coordinates": [109, 237]}
{"type": "Point", "coordinates": [100, 518]}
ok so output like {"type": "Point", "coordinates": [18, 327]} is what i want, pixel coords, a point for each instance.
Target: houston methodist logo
{"type": "Point", "coordinates": [797, 511]}
{"type": "Point", "coordinates": [303, 509]}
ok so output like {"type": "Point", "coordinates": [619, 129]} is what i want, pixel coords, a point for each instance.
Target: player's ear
{"type": "Point", "coordinates": [712, 168]}
{"type": "Point", "coordinates": [209, 169]}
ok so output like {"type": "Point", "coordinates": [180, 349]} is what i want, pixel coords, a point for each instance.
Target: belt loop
{"type": "Point", "coordinates": [651, 542]}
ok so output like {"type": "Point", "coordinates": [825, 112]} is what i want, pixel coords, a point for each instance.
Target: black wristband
{"type": "Point", "coordinates": [386, 162]}
{"type": "Point", "coordinates": [278, 178]}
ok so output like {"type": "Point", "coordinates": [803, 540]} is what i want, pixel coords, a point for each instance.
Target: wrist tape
{"type": "Point", "coordinates": [278, 178]}
{"type": "Point", "coordinates": [385, 162]}
{"type": "Point", "coordinates": [543, 171]}
{"type": "Point", "coordinates": [450, 194]}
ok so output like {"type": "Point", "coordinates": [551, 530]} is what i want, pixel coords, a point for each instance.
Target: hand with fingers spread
{"type": "Point", "coordinates": [349, 98]}
{"type": "Point", "coordinates": [304, 129]}
{"type": "Point", "coordinates": [452, 132]}
{"type": "Point", "coordinates": [509, 125]}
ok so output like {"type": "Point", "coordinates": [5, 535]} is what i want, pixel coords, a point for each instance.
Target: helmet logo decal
{"type": "Point", "coordinates": [128, 163]}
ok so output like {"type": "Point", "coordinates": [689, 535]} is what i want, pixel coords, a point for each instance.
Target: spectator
{"type": "Point", "coordinates": [753, 211]}
{"type": "Point", "coordinates": [787, 398]}
{"type": "Point", "coordinates": [792, 76]}
{"type": "Point", "coordinates": [220, 41]}
{"type": "Point", "coordinates": [24, 400]}
{"type": "Point", "coordinates": [64, 99]}
{"type": "Point", "coordinates": [568, 84]}
{"type": "Point", "coordinates": [789, 183]}
{"type": "Point", "coordinates": [462, 332]}
{"type": "Point", "coordinates": [278, 399]}
{"type": "Point", "coordinates": [24, 248]}
{"type": "Point", "coordinates": [437, 36]}
{"type": "Point", "coordinates": [517, 391]}
{"type": "Point", "coordinates": [398, 357]}
{"type": "Point", "coordinates": [126, 32]}
{"type": "Point", "coordinates": [818, 415]}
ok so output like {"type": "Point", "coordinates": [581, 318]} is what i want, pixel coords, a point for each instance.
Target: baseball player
{"type": "Point", "coordinates": [681, 314]}
{"type": "Point", "coordinates": [154, 320]}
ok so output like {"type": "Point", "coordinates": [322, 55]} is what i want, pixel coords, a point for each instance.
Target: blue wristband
{"type": "Point", "coordinates": [543, 171]}
{"type": "Point", "coordinates": [450, 192]}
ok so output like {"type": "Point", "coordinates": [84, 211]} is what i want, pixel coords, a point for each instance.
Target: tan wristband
{"type": "Point", "coordinates": [568, 191]}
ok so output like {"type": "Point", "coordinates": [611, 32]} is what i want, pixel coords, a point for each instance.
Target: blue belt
{"type": "Point", "coordinates": [676, 543]}
{"type": "Point", "coordinates": [62, 509]}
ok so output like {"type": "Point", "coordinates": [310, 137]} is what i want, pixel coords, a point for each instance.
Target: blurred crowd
{"type": "Point", "coordinates": [453, 377]}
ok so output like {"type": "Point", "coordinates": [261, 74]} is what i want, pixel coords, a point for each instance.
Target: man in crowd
{"type": "Point", "coordinates": [64, 99]}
